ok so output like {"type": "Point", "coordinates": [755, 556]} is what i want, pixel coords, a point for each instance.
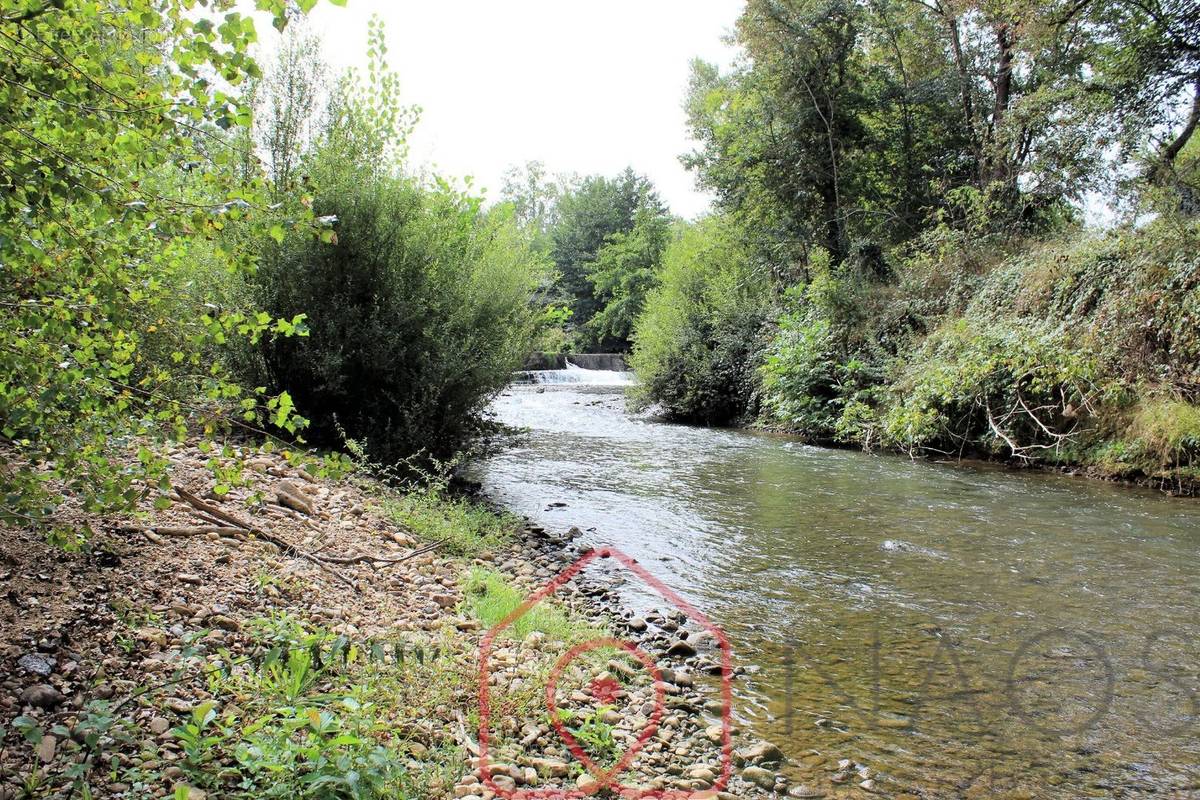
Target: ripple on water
{"type": "Point", "coordinates": [955, 629]}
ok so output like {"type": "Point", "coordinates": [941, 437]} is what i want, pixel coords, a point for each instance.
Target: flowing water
{"type": "Point", "coordinates": [958, 630]}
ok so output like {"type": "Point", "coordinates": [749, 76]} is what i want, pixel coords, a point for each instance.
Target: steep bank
{"type": "Point", "coordinates": [1076, 350]}
{"type": "Point", "coordinates": [293, 639]}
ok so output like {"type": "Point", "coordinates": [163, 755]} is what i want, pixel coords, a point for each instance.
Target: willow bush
{"type": "Point", "coordinates": [417, 308]}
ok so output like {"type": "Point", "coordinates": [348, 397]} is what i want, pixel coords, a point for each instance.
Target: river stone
{"type": "Point", "coordinates": [760, 777]}
{"type": "Point", "coordinates": [681, 649]}
{"type": "Point", "coordinates": [761, 753]}
{"type": "Point", "coordinates": [42, 695]}
{"type": "Point", "coordinates": [37, 664]}
{"type": "Point", "coordinates": [802, 790]}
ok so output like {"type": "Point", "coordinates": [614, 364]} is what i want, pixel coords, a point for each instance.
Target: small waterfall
{"type": "Point", "coordinates": [576, 374]}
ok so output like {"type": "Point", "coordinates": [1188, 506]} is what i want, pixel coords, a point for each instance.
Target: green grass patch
{"type": "Point", "coordinates": [491, 599]}
{"type": "Point", "coordinates": [318, 716]}
{"type": "Point", "coordinates": [468, 528]}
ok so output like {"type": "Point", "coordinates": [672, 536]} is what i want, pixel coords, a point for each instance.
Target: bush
{"type": "Point", "coordinates": [696, 343]}
{"type": "Point", "coordinates": [418, 302]}
{"type": "Point", "coordinates": [1010, 387]}
{"type": "Point", "coordinates": [416, 317]}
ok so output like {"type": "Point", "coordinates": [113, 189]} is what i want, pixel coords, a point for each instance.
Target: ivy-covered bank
{"type": "Point", "coordinates": [898, 257]}
{"type": "Point", "coordinates": [1078, 350]}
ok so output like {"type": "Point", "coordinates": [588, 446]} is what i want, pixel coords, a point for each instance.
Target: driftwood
{"type": "Point", "coordinates": [324, 562]}
{"type": "Point", "coordinates": [284, 545]}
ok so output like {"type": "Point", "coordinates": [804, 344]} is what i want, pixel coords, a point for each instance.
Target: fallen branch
{"type": "Point", "coordinates": [282, 544]}
{"type": "Point", "coordinates": [198, 530]}
{"type": "Point", "coordinates": [373, 560]}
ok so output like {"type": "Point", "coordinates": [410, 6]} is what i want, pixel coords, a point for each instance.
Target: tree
{"type": "Point", "coordinates": [533, 195]}
{"type": "Point", "coordinates": [286, 101]}
{"type": "Point", "coordinates": [117, 176]}
{"type": "Point", "coordinates": [1150, 66]}
{"type": "Point", "coordinates": [623, 272]}
{"type": "Point", "coordinates": [588, 215]}
{"type": "Point", "coordinates": [850, 123]}
{"type": "Point", "coordinates": [697, 341]}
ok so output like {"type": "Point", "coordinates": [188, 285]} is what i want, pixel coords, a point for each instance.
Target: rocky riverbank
{"type": "Point", "coordinates": [297, 637]}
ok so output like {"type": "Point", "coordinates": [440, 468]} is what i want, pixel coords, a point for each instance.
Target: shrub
{"type": "Point", "coordinates": [1015, 387]}
{"type": "Point", "coordinates": [418, 302]}
{"type": "Point", "coordinates": [696, 343]}
{"type": "Point", "coordinates": [800, 377]}
{"type": "Point", "coordinates": [104, 216]}
{"type": "Point", "coordinates": [416, 318]}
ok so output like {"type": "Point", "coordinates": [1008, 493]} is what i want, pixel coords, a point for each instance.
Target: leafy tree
{"type": "Point", "coordinates": [696, 343]}
{"type": "Point", "coordinates": [533, 195]}
{"type": "Point", "coordinates": [1150, 66]}
{"type": "Point", "coordinates": [117, 179]}
{"type": "Point", "coordinates": [286, 100]}
{"type": "Point", "coordinates": [850, 123]}
{"type": "Point", "coordinates": [623, 272]}
{"type": "Point", "coordinates": [588, 215]}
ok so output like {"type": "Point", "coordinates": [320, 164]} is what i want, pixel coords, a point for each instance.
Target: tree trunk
{"type": "Point", "coordinates": [1001, 165]}
{"type": "Point", "coordinates": [1175, 147]}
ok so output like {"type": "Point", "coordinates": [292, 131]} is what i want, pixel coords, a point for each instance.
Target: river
{"type": "Point", "coordinates": [954, 630]}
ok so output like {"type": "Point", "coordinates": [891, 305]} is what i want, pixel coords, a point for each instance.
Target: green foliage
{"type": "Point", "coordinates": [467, 527]}
{"type": "Point", "coordinates": [800, 377]}
{"type": "Point", "coordinates": [313, 721]}
{"type": "Point", "coordinates": [593, 733]}
{"type": "Point", "coordinates": [590, 217]}
{"type": "Point", "coordinates": [852, 122]}
{"type": "Point", "coordinates": [624, 271]}
{"type": "Point", "coordinates": [491, 599]}
{"type": "Point", "coordinates": [1163, 437]}
{"type": "Point", "coordinates": [418, 295]}
{"type": "Point", "coordinates": [695, 343]}
{"type": "Point", "coordinates": [1014, 388]}
{"type": "Point", "coordinates": [117, 178]}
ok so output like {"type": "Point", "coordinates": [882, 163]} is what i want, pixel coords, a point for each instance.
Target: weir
{"type": "Point", "coordinates": [595, 361]}
{"type": "Point", "coordinates": [573, 373]}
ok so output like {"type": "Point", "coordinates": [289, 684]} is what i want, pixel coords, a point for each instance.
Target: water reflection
{"type": "Point", "coordinates": [957, 630]}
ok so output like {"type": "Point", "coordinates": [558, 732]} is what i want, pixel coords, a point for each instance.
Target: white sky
{"type": "Point", "coordinates": [584, 86]}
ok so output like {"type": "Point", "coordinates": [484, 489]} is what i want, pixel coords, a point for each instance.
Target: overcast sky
{"type": "Point", "coordinates": [587, 87]}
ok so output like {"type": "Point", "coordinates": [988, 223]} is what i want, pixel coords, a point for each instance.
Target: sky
{"type": "Point", "coordinates": [585, 87]}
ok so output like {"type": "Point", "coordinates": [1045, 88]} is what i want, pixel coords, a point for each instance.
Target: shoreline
{"type": "Point", "coordinates": [167, 658]}
{"type": "Point", "coordinates": [1170, 486]}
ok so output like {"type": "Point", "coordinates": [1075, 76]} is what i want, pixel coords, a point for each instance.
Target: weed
{"type": "Point", "coordinates": [492, 599]}
{"type": "Point", "coordinates": [466, 527]}
{"type": "Point", "coordinates": [592, 732]}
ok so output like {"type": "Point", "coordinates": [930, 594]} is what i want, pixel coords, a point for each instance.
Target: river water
{"type": "Point", "coordinates": [957, 630]}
